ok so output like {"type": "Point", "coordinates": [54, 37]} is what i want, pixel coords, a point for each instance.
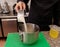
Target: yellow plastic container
{"type": "Point", "coordinates": [54, 32]}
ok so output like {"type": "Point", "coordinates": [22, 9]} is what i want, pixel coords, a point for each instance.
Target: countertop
{"type": "Point", "coordinates": [52, 42]}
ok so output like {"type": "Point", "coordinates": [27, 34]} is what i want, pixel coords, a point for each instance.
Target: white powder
{"type": "Point", "coordinates": [21, 18]}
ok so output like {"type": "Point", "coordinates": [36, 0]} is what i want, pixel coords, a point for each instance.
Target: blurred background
{"type": "Point", "coordinates": [9, 25]}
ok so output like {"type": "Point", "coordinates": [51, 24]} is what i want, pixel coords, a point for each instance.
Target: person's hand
{"type": "Point", "coordinates": [20, 6]}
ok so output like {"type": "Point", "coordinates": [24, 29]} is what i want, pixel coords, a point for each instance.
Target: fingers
{"type": "Point", "coordinates": [20, 6]}
{"type": "Point", "coordinates": [24, 6]}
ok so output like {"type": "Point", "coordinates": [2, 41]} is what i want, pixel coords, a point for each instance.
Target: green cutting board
{"type": "Point", "coordinates": [13, 40]}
